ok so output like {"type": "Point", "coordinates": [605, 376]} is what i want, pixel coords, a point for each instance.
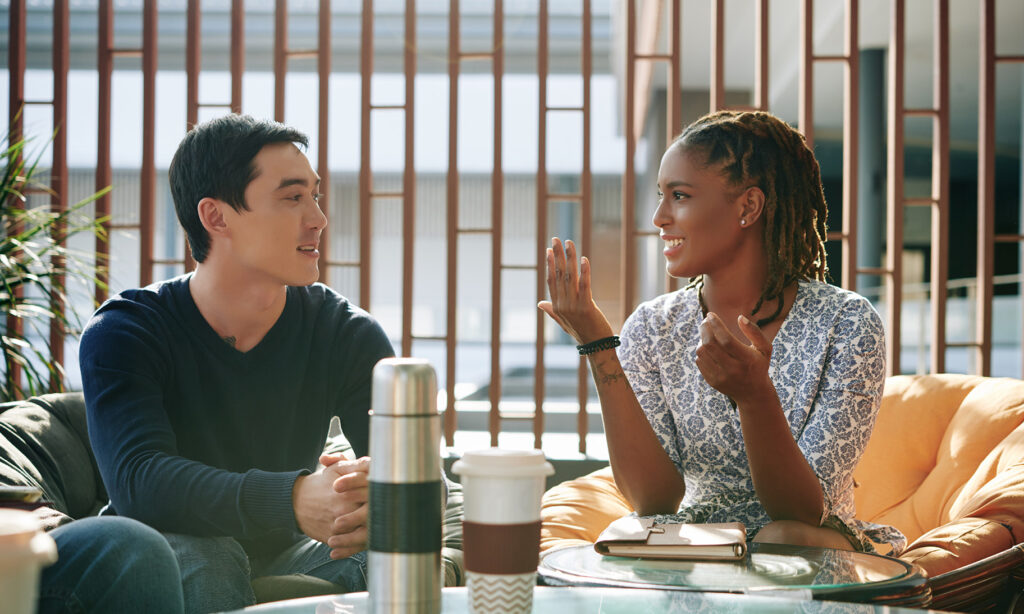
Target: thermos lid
{"type": "Point", "coordinates": [503, 462]}
{"type": "Point", "coordinates": [404, 387]}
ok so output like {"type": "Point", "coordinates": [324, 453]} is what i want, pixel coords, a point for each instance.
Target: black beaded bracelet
{"type": "Point", "coordinates": [596, 346]}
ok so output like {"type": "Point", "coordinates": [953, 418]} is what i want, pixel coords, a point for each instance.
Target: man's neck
{"type": "Point", "coordinates": [239, 310]}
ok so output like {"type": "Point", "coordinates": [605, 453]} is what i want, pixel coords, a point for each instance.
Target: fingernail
{"type": "Point", "coordinates": [744, 319]}
{"type": "Point", "coordinates": [705, 334]}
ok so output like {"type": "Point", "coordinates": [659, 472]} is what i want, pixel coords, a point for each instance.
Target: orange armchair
{"type": "Point", "coordinates": [945, 465]}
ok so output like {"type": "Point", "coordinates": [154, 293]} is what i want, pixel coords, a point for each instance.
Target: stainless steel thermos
{"type": "Point", "coordinates": [404, 561]}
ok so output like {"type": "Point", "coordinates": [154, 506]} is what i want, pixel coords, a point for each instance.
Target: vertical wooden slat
{"type": "Point", "coordinates": [365, 177]}
{"type": "Point", "coordinates": [716, 88]}
{"type": "Point", "coordinates": [147, 177]}
{"type": "Point", "coordinates": [894, 190]}
{"type": "Point", "coordinates": [674, 100]}
{"type": "Point", "coordinates": [15, 132]}
{"type": "Point", "coordinates": [541, 186]}
{"type": "Point", "coordinates": [193, 64]}
{"type": "Point", "coordinates": [851, 145]}
{"type": "Point", "coordinates": [986, 187]}
{"type": "Point", "coordinates": [451, 231]}
{"type": "Point", "coordinates": [805, 103]}
{"type": "Point", "coordinates": [940, 186]}
{"type": "Point", "coordinates": [193, 61]}
{"type": "Point", "coordinates": [409, 178]}
{"type": "Point", "coordinates": [497, 219]}
{"type": "Point", "coordinates": [627, 261]}
{"type": "Point", "coordinates": [237, 53]}
{"type": "Point", "coordinates": [280, 56]}
{"type": "Point", "coordinates": [674, 96]}
{"type": "Point", "coordinates": [59, 175]}
{"type": "Point", "coordinates": [587, 194]}
{"type": "Point", "coordinates": [761, 55]}
{"type": "Point", "coordinates": [323, 66]}
{"type": "Point", "coordinates": [105, 70]}
{"type": "Point", "coordinates": [16, 69]}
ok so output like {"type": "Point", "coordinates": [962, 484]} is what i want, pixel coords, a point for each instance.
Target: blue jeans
{"type": "Point", "coordinates": [110, 564]}
{"type": "Point", "coordinates": [216, 573]}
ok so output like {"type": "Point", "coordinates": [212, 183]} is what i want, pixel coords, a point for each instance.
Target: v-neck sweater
{"type": "Point", "coordinates": [193, 436]}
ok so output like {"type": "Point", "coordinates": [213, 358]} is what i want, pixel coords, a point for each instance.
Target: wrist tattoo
{"type": "Point", "coordinates": [607, 379]}
{"type": "Point", "coordinates": [229, 340]}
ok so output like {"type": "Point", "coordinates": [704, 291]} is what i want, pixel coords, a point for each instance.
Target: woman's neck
{"type": "Point", "coordinates": [734, 297]}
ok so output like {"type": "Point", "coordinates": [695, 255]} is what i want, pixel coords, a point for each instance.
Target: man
{"type": "Point", "coordinates": [209, 395]}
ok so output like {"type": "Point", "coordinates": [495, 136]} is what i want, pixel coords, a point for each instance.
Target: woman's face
{"type": "Point", "coordinates": [699, 214]}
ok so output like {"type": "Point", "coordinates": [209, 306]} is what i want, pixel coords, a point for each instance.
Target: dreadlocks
{"type": "Point", "coordinates": [757, 148]}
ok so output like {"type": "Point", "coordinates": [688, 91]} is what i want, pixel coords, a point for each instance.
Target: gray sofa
{"type": "Point", "coordinates": [44, 443]}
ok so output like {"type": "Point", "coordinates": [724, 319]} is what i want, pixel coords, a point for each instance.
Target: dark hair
{"type": "Point", "coordinates": [215, 160]}
{"type": "Point", "coordinates": [757, 148]}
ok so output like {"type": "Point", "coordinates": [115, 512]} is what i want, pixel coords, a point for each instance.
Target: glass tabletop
{"type": "Point", "coordinates": [600, 600]}
{"type": "Point", "coordinates": [819, 572]}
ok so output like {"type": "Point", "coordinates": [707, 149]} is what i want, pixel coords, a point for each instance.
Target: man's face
{"type": "Point", "coordinates": [277, 239]}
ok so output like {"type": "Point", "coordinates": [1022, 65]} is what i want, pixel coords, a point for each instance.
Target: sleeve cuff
{"type": "Point", "coordinates": [267, 500]}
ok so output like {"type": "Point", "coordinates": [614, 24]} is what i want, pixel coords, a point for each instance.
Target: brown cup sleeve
{"type": "Point", "coordinates": [501, 548]}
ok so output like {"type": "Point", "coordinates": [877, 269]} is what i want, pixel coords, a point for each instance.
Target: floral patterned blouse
{"type": "Point", "coordinates": [828, 367]}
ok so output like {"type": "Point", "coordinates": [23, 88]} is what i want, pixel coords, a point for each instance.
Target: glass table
{"type": "Point", "coordinates": [801, 572]}
{"type": "Point", "coordinates": [600, 600]}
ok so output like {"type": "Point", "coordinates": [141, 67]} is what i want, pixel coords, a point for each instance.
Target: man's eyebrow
{"type": "Point", "coordinates": [290, 181]}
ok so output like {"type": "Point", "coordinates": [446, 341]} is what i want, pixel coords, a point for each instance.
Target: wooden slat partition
{"type": "Point", "coordinates": [642, 23]}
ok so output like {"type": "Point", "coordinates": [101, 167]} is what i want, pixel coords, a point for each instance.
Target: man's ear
{"type": "Point", "coordinates": [211, 215]}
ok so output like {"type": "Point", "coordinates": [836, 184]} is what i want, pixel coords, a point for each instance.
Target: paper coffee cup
{"type": "Point", "coordinates": [502, 492]}
{"type": "Point", "coordinates": [24, 550]}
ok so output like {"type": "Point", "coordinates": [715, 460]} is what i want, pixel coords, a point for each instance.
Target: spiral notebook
{"type": "Point", "coordinates": [631, 536]}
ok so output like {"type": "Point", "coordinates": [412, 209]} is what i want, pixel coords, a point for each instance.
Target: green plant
{"type": "Point", "coordinates": [36, 268]}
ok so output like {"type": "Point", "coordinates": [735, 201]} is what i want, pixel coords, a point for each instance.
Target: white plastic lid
{"type": "Point", "coordinates": [17, 527]}
{"type": "Point", "coordinates": [23, 542]}
{"type": "Point", "coordinates": [503, 462]}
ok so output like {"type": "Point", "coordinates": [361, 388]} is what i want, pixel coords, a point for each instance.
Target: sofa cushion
{"type": "Point", "coordinates": [44, 443]}
{"type": "Point", "coordinates": [575, 512]}
{"type": "Point", "coordinates": [945, 465]}
{"type": "Point", "coordinates": [896, 463]}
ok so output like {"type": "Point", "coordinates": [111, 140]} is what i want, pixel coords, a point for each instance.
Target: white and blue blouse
{"type": "Point", "coordinates": [828, 368]}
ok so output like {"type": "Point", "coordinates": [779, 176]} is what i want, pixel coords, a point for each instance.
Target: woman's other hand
{"type": "Point", "coordinates": [572, 303]}
{"type": "Point", "coordinates": [735, 369]}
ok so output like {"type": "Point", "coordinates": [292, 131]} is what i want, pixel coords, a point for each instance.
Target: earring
{"type": "Point", "coordinates": [743, 222]}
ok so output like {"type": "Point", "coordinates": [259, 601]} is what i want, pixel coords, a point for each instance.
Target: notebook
{"type": "Point", "coordinates": [642, 538]}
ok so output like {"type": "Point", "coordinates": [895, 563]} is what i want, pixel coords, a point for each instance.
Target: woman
{"type": "Point", "coordinates": [749, 395]}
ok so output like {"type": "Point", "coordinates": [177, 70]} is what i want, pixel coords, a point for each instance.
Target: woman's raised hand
{"type": "Point", "coordinates": [730, 366]}
{"type": "Point", "coordinates": [572, 303]}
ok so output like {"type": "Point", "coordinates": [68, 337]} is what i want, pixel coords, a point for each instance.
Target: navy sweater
{"type": "Point", "coordinates": [192, 436]}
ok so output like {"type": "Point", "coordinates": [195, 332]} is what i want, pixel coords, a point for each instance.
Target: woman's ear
{"type": "Point", "coordinates": [751, 205]}
{"type": "Point", "coordinates": [211, 215]}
